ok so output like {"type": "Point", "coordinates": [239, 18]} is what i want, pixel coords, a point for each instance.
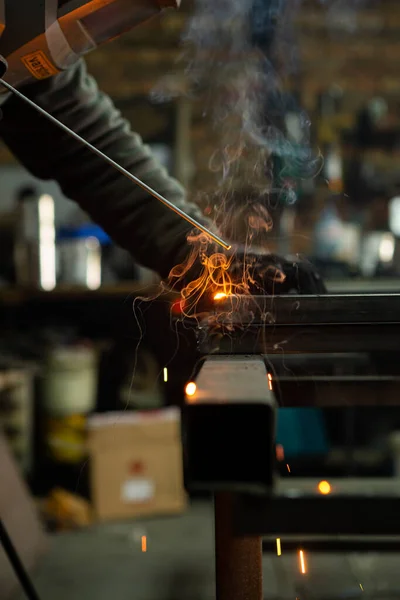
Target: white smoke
{"type": "Point", "coordinates": [236, 56]}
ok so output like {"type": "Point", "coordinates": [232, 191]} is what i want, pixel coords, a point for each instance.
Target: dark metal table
{"type": "Point", "coordinates": [357, 328]}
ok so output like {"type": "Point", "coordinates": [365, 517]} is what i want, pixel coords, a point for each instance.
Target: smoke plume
{"type": "Point", "coordinates": [237, 56]}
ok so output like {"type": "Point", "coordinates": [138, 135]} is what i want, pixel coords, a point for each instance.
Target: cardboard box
{"type": "Point", "coordinates": [136, 464]}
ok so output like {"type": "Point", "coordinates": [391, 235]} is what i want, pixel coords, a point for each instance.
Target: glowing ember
{"type": "Point", "coordinates": [144, 543]}
{"type": "Point", "coordinates": [190, 389]}
{"type": "Point", "coordinates": [324, 487]}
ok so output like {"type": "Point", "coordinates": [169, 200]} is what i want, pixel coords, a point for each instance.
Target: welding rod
{"type": "Point", "coordinates": [118, 167]}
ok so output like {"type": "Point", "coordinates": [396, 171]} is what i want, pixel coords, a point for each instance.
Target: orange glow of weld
{"type": "Point", "coordinates": [270, 381]}
{"type": "Point", "coordinates": [220, 296]}
{"type": "Point", "coordinates": [190, 389]}
{"type": "Point", "coordinates": [177, 307]}
{"type": "Point", "coordinates": [324, 488]}
{"type": "Point", "coordinates": [209, 273]}
{"type": "Point", "coordinates": [144, 543]}
{"type": "Point", "coordinates": [302, 560]}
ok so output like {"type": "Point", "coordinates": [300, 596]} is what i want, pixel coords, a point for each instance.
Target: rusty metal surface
{"type": "Point", "coordinates": [238, 560]}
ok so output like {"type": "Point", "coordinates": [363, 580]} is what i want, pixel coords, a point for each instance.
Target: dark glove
{"type": "Point", "coordinates": [250, 273]}
{"type": "Point", "coordinates": [274, 275]}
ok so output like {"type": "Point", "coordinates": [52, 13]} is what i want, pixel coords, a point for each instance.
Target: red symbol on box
{"type": "Point", "coordinates": [136, 467]}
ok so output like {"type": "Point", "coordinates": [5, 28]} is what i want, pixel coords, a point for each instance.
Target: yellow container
{"type": "Point", "coordinates": [66, 438]}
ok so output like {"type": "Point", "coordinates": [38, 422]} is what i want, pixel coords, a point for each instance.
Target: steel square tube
{"type": "Point", "coordinates": [302, 324]}
{"type": "Point", "coordinates": [311, 515]}
{"type": "Point", "coordinates": [314, 310]}
{"type": "Point", "coordinates": [336, 544]}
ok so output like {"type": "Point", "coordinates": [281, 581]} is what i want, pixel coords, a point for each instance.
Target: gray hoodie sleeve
{"type": "Point", "coordinates": [155, 236]}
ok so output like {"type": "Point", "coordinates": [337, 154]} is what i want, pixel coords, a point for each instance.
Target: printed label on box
{"type": "Point", "coordinates": [137, 490]}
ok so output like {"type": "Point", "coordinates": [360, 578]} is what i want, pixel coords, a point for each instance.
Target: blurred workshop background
{"type": "Point", "coordinates": [90, 388]}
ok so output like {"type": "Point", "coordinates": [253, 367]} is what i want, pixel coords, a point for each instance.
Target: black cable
{"type": "Point", "coordinates": [16, 564]}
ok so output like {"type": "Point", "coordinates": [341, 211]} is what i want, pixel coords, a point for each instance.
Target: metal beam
{"type": "Point", "coordinates": [352, 515]}
{"type": "Point", "coordinates": [313, 310]}
{"type": "Point", "coordinates": [336, 544]}
{"type": "Point", "coordinates": [302, 324]}
{"type": "Point", "coordinates": [301, 338]}
{"type": "Point", "coordinates": [329, 391]}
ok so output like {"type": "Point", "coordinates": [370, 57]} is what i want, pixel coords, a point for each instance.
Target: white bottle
{"type": "Point", "coordinates": [35, 247]}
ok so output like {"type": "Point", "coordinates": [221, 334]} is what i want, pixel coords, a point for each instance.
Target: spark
{"type": "Point", "coordinates": [324, 487]}
{"type": "Point", "coordinates": [278, 547]}
{"type": "Point", "coordinates": [191, 388]}
{"type": "Point", "coordinates": [288, 468]}
{"type": "Point", "coordinates": [144, 543]}
{"type": "Point", "coordinates": [302, 562]}
{"type": "Point", "coordinates": [165, 374]}
{"type": "Point", "coordinates": [270, 381]}
{"type": "Point", "coordinates": [361, 587]}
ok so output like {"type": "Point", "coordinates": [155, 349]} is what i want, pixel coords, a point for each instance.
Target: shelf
{"type": "Point", "coordinates": [15, 295]}
{"type": "Point", "coordinates": [124, 290]}
{"type": "Point", "coordinates": [364, 286]}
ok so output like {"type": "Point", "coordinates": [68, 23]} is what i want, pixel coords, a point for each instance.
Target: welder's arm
{"type": "Point", "coordinates": [154, 235]}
